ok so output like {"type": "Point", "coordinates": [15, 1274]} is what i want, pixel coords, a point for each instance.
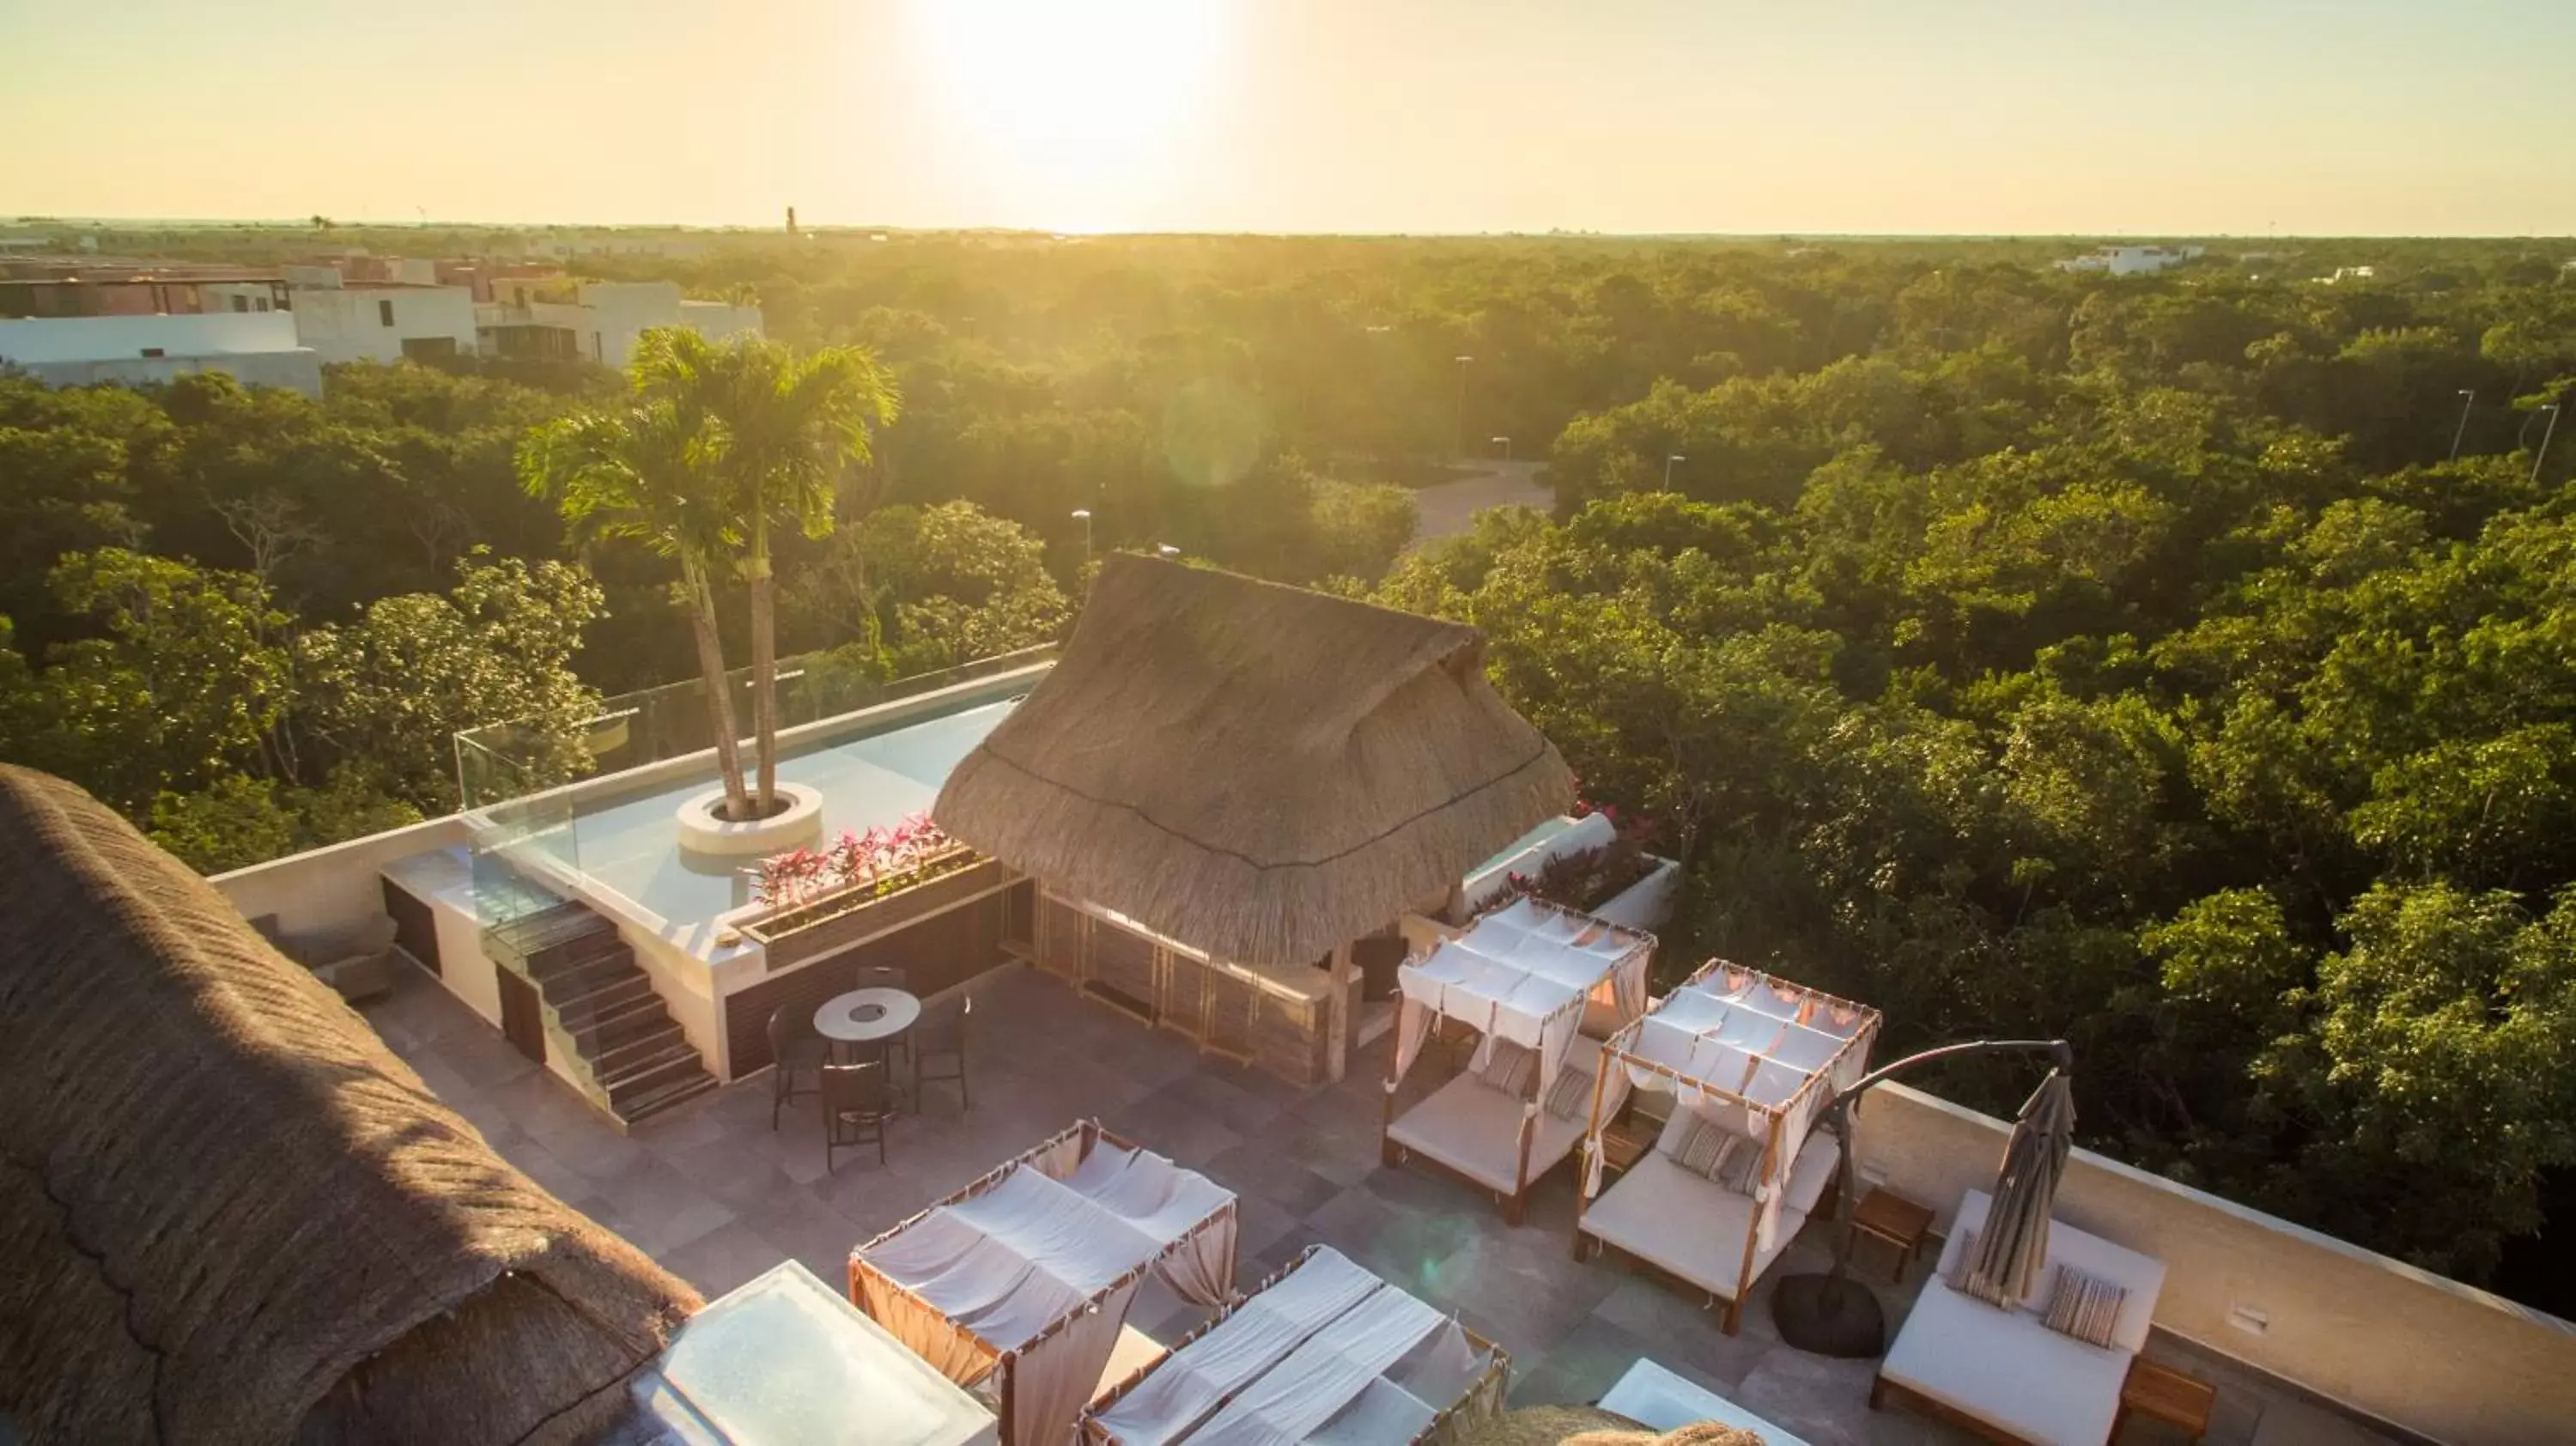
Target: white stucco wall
{"type": "Point", "coordinates": [717, 320]}
{"type": "Point", "coordinates": [621, 311]}
{"type": "Point", "coordinates": [346, 324]}
{"type": "Point", "coordinates": [329, 890]}
{"type": "Point", "coordinates": [108, 338]}
{"type": "Point", "coordinates": [220, 295]}
{"type": "Point", "coordinates": [75, 351]}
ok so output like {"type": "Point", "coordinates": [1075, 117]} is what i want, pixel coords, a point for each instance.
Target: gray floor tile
{"type": "Point", "coordinates": [1257, 1169]}
{"type": "Point", "coordinates": [1819, 1398]}
{"type": "Point", "coordinates": [722, 1258]}
{"type": "Point", "coordinates": [660, 1208]}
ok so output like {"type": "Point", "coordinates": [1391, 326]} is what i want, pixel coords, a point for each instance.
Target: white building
{"type": "Point", "coordinates": [2131, 260]}
{"type": "Point", "coordinates": [601, 322]}
{"type": "Point", "coordinates": [258, 347]}
{"type": "Point", "coordinates": [383, 322]}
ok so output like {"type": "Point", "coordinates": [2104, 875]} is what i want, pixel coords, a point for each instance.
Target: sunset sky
{"type": "Point", "coordinates": [2181, 117]}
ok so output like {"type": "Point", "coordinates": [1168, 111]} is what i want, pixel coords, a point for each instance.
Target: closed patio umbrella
{"type": "Point", "coordinates": [2014, 1242]}
{"type": "Point", "coordinates": [1834, 1315]}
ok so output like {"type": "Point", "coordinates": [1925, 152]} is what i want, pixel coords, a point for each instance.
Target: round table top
{"type": "Point", "coordinates": [863, 1015]}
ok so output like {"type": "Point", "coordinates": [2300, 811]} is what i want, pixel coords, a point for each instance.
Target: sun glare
{"type": "Point", "coordinates": [1077, 104]}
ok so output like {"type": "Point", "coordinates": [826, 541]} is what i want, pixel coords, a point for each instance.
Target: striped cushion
{"type": "Point", "coordinates": [1570, 1098]}
{"type": "Point", "coordinates": [1964, 1278]}
{"type": "Point", "coordinates": [2085, 1306]}
{"type": "Point", "coordinates": [1702, 1147]}
{"type": "Point", "coordinates": [1509, 1068]}
{"type": "Point", "coordinates": [1741, 1170]}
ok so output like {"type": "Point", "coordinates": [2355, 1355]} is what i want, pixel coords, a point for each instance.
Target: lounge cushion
{"type": "Point", "coordinates": [2008, 1369]}
{"type": "Point", "coordinates": [1691, 1226]}
{"type": "Point", "coordinates": [1474, 1129]}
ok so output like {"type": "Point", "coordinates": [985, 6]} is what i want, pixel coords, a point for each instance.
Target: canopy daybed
{"type": "Point", "coordinates": [1752, 1055]}
{"type": "Point", "coordinates": [1021, 1281]}
{"type": "Point", "coordinates": [1527, 977]}
{"type": "Point", "coordinates": [1323, 1351]}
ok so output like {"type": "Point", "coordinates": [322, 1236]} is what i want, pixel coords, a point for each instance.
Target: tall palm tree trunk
{"type": "Point", "coordinates": [711, 664]}
{"type": "Point", "coordinates": [764, 665]}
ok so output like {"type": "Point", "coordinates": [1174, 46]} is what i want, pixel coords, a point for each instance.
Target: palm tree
{"type": "Point", "coordinates": [790, 426]}
{"type": "Point", "coordinates": [648, 472]}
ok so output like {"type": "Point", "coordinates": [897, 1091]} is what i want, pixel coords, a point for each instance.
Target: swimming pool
{"type": "Point", "coordinates": [628, 842]}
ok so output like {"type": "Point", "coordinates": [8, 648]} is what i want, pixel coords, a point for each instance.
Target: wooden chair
{"type": "Point", "coordinates": [793, 1045]}
{"type": "Point", "coordinates": [856, 1108]}
{"type": "Point", "coordinates": [941, 1035]}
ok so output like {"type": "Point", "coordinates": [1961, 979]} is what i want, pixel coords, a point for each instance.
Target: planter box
{"type": "Point", "coordinates": [832, 921]}
{"type": "Point", "coordinates": [1646, 905]}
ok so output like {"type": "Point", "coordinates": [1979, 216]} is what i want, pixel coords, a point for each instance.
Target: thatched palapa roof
{"type": "Point", "coordinates": [228, 1213]}
{"type": "Point", "coordinates": [1255, 770]}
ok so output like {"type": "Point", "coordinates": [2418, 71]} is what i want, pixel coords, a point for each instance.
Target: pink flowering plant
{"type": "Point", "coordinates": [1588, 878]}
{"type": "Point", "coordinates": [876, 862]}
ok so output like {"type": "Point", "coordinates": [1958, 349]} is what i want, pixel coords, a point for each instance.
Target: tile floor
{"type": "Point", "coordinates": [717, 1196]}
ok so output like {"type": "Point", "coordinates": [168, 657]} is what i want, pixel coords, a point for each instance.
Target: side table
{"type": "Point", "coordinates": [2161, 1393]}
{"type": "Point", "coordinates": [1888, 1216]}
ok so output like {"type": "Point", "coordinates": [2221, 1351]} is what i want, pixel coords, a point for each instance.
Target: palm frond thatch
{"type": "Point", "coordinates": [1255, 770]}
{"type": "Point", "coordinates": [229, 1213]}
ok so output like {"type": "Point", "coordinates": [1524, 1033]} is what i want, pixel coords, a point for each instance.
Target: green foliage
{"type": "Point", "coordinates": [241, 820]}
{"type": "Point", "coordinates": [925, 588]}
{"type": "Point", "coordinates": [2436, 1078]}
{"type": "Point", "coordinates": [184, 685]}
{"type": "Point", "coordinates": [394, 688]}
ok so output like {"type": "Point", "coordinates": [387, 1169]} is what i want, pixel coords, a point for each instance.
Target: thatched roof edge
{"type": "Point", "coordinates": [230, 1213]}
{"type": "Point", "coordinates": [1325, 716]}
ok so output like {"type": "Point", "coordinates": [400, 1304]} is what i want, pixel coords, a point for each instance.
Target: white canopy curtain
{"type": "Point", "coordinates": [1532, 974]}
{"type": "Point", "coordinates": [1758, 1054]}
{"type": "Point", "coordinates": [1324, 1351]}
{"type": "Point", "coordinates": [1026, 1274]}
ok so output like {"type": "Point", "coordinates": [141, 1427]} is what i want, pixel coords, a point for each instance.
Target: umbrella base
{"type": "Point", "coordinates": [1829, 1315]}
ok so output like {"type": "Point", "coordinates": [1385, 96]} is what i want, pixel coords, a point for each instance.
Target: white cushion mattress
{"type": "Point", "coordinates": [2007, 1368]}
{"type": "Point", "coordinates": [1685, 1223]}
{"type": "Point", "coordinates": [1474, 1129]}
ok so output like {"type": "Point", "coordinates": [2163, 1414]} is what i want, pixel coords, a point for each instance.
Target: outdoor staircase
{"type": "Point", "coordinates": [602, 1016]}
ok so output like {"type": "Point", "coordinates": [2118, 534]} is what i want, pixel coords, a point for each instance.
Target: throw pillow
{"type": "Point", "coordinates": [1741, 1170]}
{"type": "Point", "coordinates": [1702, 1147]}
{"type": "Point", "coordinates": [1509, 1068]}
{"type": "Point", "coordinates": [1570, 1098]}
{"type": "Point", "coordinates": [1964, 1278]}
{"type": "Point", "coordinates": [2085, 1306]}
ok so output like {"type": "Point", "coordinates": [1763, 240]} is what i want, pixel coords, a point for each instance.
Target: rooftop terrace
{"type": "Point", "coordinates": [714, 1195]}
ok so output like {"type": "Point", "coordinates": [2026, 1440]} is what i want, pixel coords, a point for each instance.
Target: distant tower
{"type": "Point", "coordinates": [791, 220]}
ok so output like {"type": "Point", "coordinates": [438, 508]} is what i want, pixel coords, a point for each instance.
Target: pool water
{"type": "Point", "coordinates": [629, 843]}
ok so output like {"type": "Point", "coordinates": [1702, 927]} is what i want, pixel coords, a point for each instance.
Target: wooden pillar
{"type": "Point", "coordinates": [1590, 1145]}
{"type": "Point", "coordinates": [1337, 1020]}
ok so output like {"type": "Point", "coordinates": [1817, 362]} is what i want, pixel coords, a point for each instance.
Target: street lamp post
{"type": "Point", "coordinates": [2550, 431]}
{"type": "Point", "coordinates": [1462, 406]}
{"type": "Point", "coordinates": [1505, 443]}
{"type": "Point", "coordinates": [2468, 399]}
{"type": "Point", "coordinates": [1668, 469]}
{"type": "Point", "coordinates": [1083, 516]}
